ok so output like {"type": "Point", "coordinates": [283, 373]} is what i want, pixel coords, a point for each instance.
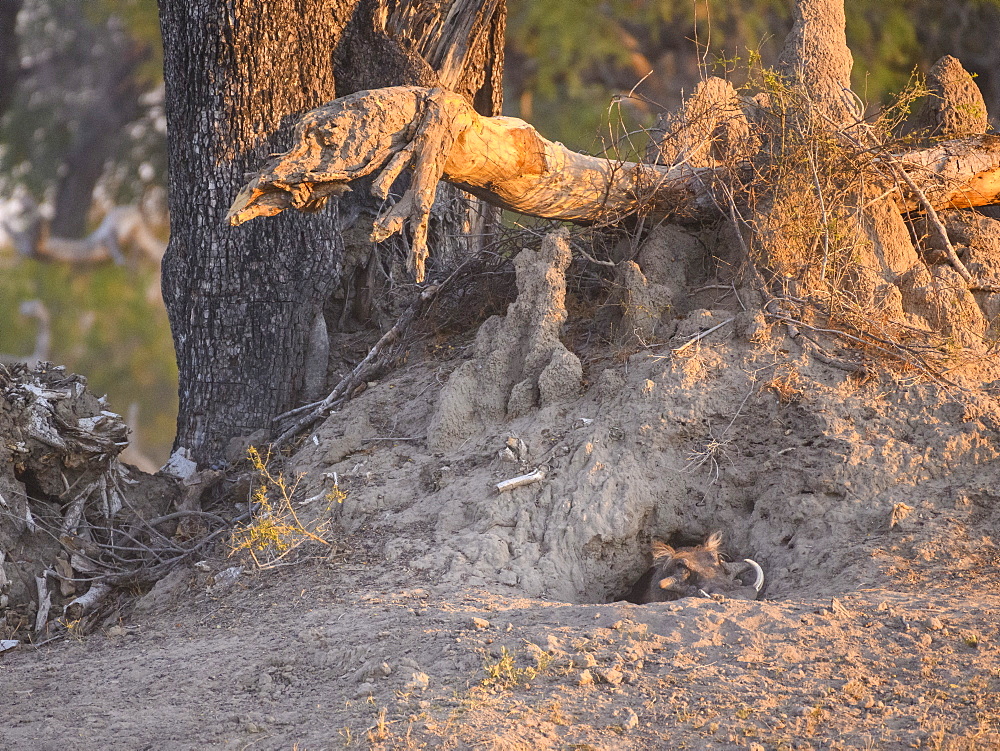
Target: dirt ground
{"type": "Point", "coordinates": [445, 614]}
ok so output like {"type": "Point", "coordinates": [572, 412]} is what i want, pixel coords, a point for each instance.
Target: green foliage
{"type": "Point", "coordinates": [564, 39]}
{"type": "Point", "coordinates": [142, 20]}
{"type": "Point", "coordinates": [68, 50]}
{"type": "Point", "coordinates": [568, 59]}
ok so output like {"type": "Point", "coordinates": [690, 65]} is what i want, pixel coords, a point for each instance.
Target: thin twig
{"type": "Point", "coordinates": [342, 390]}
{"type": "Point", "coordinates": [935, 222]}
{"type": "Point", "coordinates": [179, 514]}
{"type": "Point", "coordinates": [702, 335]}
{"type": "Point", "coordinates": [893, 349]}
{"type": "Point", "coordinates": [590, 258]}
{"type": "Point", "coordinates": [825, 217]}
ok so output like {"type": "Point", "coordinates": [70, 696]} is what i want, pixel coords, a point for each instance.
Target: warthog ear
{"type": "Point", "coordinates": [662, 550]}
{"type": "Point", "coordinates": [714, 542]}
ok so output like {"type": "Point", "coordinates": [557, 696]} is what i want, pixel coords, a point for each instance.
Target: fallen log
{"type": "Point", "coordinates": [505, 161]}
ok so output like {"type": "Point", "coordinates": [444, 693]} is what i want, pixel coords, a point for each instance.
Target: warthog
{"type": "Point", "coordinates": [695, 572]}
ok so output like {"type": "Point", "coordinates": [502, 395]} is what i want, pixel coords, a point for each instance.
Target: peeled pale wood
{"type": "Point", "coordinates": [504, 161]}
{"type": "Point", "coordinates": [44, 602]}
{"type": "Point", "coordinates": [958, 174]}
{"type": "Point", "coordinates": [87, 602]}
{"type": "Point", "coordinates": [521, 481]}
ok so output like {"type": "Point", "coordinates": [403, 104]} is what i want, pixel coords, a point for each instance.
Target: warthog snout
{"type": "Point", "coordinates": [695, 572]}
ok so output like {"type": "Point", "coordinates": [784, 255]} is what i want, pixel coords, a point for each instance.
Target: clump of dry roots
{"type": "Point", "coordinates": [76, 524]}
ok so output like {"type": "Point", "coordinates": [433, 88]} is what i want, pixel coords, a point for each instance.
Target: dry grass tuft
{"type": "Point", "coordinates": [275, 531]}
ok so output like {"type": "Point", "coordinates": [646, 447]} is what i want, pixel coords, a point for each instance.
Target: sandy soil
{"type": "Point", "coordinates": [323, 657]}
{"type": "Point", "coordinates": [447, 615]}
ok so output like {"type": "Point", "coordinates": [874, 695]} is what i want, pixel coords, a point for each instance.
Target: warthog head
{"type": "Point", "coordinates": [695, 572]}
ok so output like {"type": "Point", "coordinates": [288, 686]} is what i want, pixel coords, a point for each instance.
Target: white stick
{"type": "Point", "coordinates": [87, 601]}
{"type": "Point", "coordinates": [702, 335]}
{"type": "Point", "coordinates": [517, 482]}
{"type": "Point", "coordinates": [44, 602]}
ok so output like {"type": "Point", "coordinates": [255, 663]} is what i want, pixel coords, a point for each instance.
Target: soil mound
{"type": "Point", "coordinates": [450, 614]}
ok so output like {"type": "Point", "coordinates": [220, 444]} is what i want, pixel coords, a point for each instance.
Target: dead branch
{"type": "Point", "coordinates": [352, 380]}
{"type": "Point", "coordinates": [893, 349]}
{"type": "Point", "coordinates": [87, 602]}
{"type": "Point", "coordinates": [505, 162]}
{"type": "Point", "coordinates": [938, 227]}
{"type": "Point", "coordinates": [502, 160]}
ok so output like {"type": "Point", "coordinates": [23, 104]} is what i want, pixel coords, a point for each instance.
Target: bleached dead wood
{"type": "Point", "coordinates": [502, 160]}
{"type": "Point", "coordinates": [957, 174]}
{"type": "Point", "coordinates": [506, 162]}
{"type": "Point", "coordinates": [87, 602]}
{"type": "Point", "coordinates": [44, 602]}
{"type": "Point", "coordinates": [521, 480]}
{"type": "Point", "coordinates": [123, 228]}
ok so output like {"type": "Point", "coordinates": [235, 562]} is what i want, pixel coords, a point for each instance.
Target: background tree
{"type": "Point", "coordinates": [84, 107]}
{"type": "Point", "coordinates": [10, 53]}
{"type": "Point", "coordinates": [565, 61]}
{"type": "Point", "coordinates": [242, 303]}
{"type": "Point", "coordinates": [69, 120]}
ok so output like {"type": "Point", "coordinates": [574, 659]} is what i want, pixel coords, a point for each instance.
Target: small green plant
{"type": "Point", "coordinates": [274, 530]}
{"type": "Point", "coordinates": [504, 673]}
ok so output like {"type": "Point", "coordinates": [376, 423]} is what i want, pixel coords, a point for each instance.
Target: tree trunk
{"type": "Point", "coordinates": [10, 52]}
{"type": "Point", "coordinates": [242, 302]}
{"type": "Point", "coordinates": [100, 134]}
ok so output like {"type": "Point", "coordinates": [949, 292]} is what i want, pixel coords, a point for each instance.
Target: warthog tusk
{"type": "Point", "coordinates": [703, 593]}
{"type": "Point", "coordinates": [758, 582]}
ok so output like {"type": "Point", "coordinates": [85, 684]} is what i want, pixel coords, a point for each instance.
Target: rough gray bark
{"type": "Point", "coordinates": [242, 302]}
